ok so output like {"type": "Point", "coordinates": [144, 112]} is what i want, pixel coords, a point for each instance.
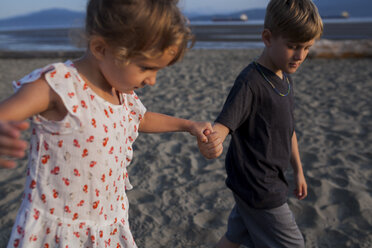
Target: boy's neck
{"type": "Point", "coordinates": [266, 61]}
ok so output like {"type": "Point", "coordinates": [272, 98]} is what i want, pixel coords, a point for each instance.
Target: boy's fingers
{"type": "Point", "coordinates": [207, 132]}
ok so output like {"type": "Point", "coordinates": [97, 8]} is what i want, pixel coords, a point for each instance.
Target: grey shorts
{"type": "Point", "coordinates": [263, 227]}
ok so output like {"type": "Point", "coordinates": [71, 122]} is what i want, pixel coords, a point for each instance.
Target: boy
{"type": "Point", "coordinates": [258, 113]}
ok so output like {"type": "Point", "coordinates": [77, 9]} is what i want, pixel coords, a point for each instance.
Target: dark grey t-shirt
{"type": "Point", "coordinates": [261, 126]}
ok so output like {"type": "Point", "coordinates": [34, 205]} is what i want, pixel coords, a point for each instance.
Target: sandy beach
{"type": "Point", "coordinates": [180, 199]}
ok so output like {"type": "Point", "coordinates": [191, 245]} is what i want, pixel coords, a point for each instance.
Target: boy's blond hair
{"type": "Point", "coordinates": [297, 20]}
{"type": "Point", "coordinates": [139, 28]}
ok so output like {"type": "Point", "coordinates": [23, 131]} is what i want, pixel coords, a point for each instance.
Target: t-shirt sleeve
{"type": "Point", "coordinates": [237, 106]}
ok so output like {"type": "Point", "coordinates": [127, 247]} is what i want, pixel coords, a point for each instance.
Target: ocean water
{"type": "Point", "coordinates": [209, 35]}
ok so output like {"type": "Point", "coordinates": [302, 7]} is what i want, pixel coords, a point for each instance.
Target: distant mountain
{"type": "Point", "coordinates": [327, 8]}
{"type": "Point", "coordinates": [50, 17]}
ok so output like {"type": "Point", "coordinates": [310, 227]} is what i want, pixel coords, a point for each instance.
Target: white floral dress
{"type": "Point", "coordinates": [77, 171]}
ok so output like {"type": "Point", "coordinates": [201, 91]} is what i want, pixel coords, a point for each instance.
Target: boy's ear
{"type": "Point", "coordinates": [266, 37]}
{"type": "Point", "coordinates": [98, 47]}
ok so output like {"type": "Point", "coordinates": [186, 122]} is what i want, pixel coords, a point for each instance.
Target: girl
{"type": "Point", "coordinates": [85, 118]}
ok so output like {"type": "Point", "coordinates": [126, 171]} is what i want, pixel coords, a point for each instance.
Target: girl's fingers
{"type": "Point", "coordinates": [7, 163]}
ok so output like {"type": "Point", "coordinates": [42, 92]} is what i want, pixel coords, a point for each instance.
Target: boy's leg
{"type": "Point", "coordinates": [236, 232]}
{"type": "Point", "coordinates": [225, 243]}
{"type": "Point", "coordinates": [271, 227]}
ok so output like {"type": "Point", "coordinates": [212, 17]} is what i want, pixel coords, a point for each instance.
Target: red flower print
{"type": "Point", "coordinates": [94, 122]}
{"type": "Point", "coordinates": [95, 204]}
{"type": "Point", "coordinates": [55, 171]}
{"type": "Point", "coordinates": [100, 234]}
{"type": "Point", "coordinates": [123, 206]}
{"type": "Point", "coordinates": [60, 143]}
{"type": "Point", "coordinates": [118, 245]}
{"type": "Point", "coordinates": [92, 164]}
{"type": "Point", "coordinates": [76, 216]}
{"type": "Point", "coordinates": [135, 128]}
{"type": "Point", "coordinates": [97, 192]}
{"type": "Point", "coordinates": [81, 203]}
{"type": "Point", "coordinates": [76, 143]}
{"type": "Point", "coordinates": [74, 108]}
{"type": "Point", "coordinates": [85, 188]}
{"type": "Point", "coordinates": [51, 211]}
{"type": "Point", "coordinates": [125, 238]}
{"type": "Point", "coordinates": [90, 139]}
{"type": "Point", "coordinates": [43, 198]}
{"type": "Point", "coordinates": [56, 239]}
{"type": "Point", "coordinates": [103, 178]}
{"type": "Point", "coordinates": [83, 104]}
{"type": "Point", "coordinates": [53, 73]}
{"type": "Point", "coordinates": [67, 209]}
{"type": "Point", "coordinates": [111, 110]}
{"type": "Point", "coordinates": [130, 104]}
{"type": "Point", "coordinates": [130, 139]}
{"type": "Point", "coordinates": [85, 153]}
{"type": "Point", "coordinates": [105, 140]}
{"type": "Point", "coordinates": [114, 232]}
{"type": "Point", "coordinates": [105, 128]}
{"type": "Point", "coordinates": [77, 234]}
{"type": "Point", "coordinates": [111, 150]}
{"type": "Point", "coordinates": [85, 87]}
{"type": "Point", "coordinates": [55, 193]}
{"type": "Point", "coordinates": [71, 94]}
{"type": "Point", "coordinates": [45, 159]}
{"type": "Point", "coordinates": [67, 75]}
{"type": "Point", "coordinates": [133, 113]}
{"type": "Point", "coordinates": [36, 214]}
{"type": "Point", "coordinates": [76, 173]}
{"type": "Point", "coordinates": [92, 97]}
{"type": "Point", "coordinates": [33, 184]}
{"type": "Point", "coordinates": [110, 172]}
{"type": "Point", "coordinates": [66, 180]}
{"type": "Point", "coordinates": [19, 229]}
{"type": "Point", "coordinates": [106, 113]}
{"type": "Point", "coordinates": [46, 146]}
{"type": "Point", "coordinates": [16, 243]}
{"type": "Point", "coordinates": [47, 230]}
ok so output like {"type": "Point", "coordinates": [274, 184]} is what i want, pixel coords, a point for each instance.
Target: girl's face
{"type": "Point", "coordinates": [135, 75]}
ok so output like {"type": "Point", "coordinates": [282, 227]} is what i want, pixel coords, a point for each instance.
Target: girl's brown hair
{"type": "Point", "coordinates": [297, 20]}
{"type": "Point", "coordinates": [144, 28]}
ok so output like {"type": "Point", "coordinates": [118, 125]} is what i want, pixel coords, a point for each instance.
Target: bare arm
{"type": "Point", "coordinates": [160, 123]}
{"type": "Point", "coordinates": [301, 186]}
{"type": "Point", "coordinates": [31, 99]}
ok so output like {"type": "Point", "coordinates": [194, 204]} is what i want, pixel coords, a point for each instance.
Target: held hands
{"type": "Point", "coordinates": [198, 129]}
{"type": "Point", "coordinates": [213, 148]}
{"type": "Point", "coordinates": [11, 146]}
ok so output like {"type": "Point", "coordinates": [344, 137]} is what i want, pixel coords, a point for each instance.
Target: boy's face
{"type": "Point", "coordinates": [285, 55]}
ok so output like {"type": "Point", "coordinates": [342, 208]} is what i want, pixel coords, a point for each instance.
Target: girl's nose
{"type": "Point", "coordinates": [151, 80]}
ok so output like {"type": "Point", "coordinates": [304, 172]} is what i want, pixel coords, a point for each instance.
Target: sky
{"type": "Point", "coordinates": [10, 8]}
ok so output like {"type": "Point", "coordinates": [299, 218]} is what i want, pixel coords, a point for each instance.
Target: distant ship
{"type": "Point", "coordinates": [343, 15]}
{"type": "Point", "coordinates": [242, 18]}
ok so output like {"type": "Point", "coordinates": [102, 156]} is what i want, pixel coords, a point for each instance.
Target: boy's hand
{"type": "Point", "coordinates": [11, 146]}
{"type": "Point", "coordinates": [213, 148]}
{"type": "Point", "coordinates": [198, 129]}
{"type": "Point", "coordinates": [301, 187]}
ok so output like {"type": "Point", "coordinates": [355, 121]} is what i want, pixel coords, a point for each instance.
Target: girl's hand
{"type": "Point", "coordinates": [301, 187]}
{"type": "Point", "coordinates": [11, 146]}
{"type": "Point", "coordinates": [198, 128]}
{"type": "Point", "coordinates": [213, 148]}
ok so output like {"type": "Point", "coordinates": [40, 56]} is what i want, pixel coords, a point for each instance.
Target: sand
{"type": "Point", "coordinates": [180, 199]}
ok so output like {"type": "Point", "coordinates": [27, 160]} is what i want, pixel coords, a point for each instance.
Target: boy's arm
{"type": "Point", "coordinates": [214, 147]}
{"type": "Point", "coordinates": [301, 186]}
{"type": "Point", "coordinates": [160, 123]}
{"type": "Point", "coordinates": [30, 99]}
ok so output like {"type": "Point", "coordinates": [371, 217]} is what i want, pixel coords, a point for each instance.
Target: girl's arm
{"type": "Point", "coordinates": [301, 186]}
{"type": "Point", "coordinates": [160, 123]}
{"type": "Point", "coordinates": [30, 99]}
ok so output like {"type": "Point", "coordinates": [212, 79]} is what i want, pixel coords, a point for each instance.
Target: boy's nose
{"type": "Point", "coordinates": [300, 54]}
